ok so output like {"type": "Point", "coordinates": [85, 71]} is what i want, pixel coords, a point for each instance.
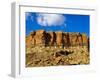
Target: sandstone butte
{"type": "Point", "coordinates": [58, 38]}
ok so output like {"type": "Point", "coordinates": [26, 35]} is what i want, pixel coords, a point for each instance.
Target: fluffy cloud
{"type": "Point", "coordinates": [50, 19]}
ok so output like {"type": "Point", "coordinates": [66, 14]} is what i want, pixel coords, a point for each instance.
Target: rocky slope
{"type": "Point", "coordinates": [56, 48]}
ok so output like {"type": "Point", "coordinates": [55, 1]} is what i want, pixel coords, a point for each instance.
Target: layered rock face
{"type": "Point", "coordinates": [58, 38]}
{"type": "Point", "coordinates": [40, 37]}
{"type": "Point", "coordinates": [50, 38]}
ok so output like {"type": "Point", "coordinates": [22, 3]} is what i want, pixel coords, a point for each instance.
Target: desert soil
{"type": "Point", "coordinates": [50, 56]}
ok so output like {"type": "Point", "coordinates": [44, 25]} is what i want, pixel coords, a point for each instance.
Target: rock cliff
{"type": "Point", "coordinates": [58, 39]}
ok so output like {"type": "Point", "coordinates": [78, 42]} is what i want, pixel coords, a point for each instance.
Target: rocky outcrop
{"type": "Point", "coordinates": [66, 39]}
{"type": "Point", "coordinates": [85, 39]}
{"type": "Point", "coordinates": [75, 39]}
{"type": "Point", "coordinates": [51, 38]}
{"type": "Point", "coordinates": [40, 37]}
{"type": "Point", "coordinates": [58, 38]}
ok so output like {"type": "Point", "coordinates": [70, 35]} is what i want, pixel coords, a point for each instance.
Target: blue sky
{"type": "Point", "coordinates": [57, 22]}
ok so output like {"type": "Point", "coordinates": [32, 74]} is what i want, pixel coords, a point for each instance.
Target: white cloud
{"type": "Point", "coordinates": [50, 19]}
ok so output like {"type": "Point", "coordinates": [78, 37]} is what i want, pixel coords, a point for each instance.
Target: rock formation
{"type": "Point", "coordinates": [58, 38]}
{"type": "Point", "coordinates": [48, 48]}
{"type": "Point", "coordinates": [51, 38]}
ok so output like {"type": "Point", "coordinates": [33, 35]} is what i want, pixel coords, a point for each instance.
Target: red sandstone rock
{"type": "Point", "coordinates": [59, 38]}
{"type": "Point", "coordinates": [42, 37]}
